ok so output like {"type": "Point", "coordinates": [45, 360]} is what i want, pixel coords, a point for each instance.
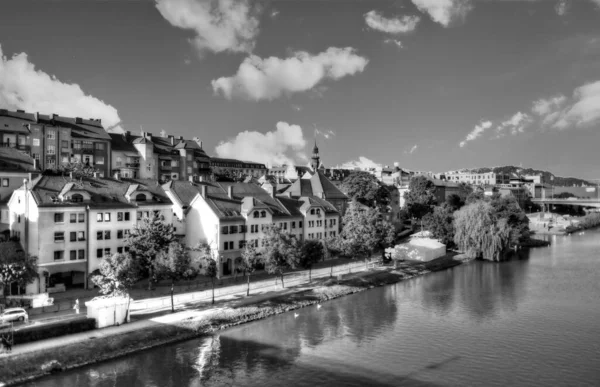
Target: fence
{"type": "Point", "coordinates": [291, 279]}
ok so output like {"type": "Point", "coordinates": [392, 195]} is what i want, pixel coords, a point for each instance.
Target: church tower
{"type": "Point", "coordinates": [315, 160]}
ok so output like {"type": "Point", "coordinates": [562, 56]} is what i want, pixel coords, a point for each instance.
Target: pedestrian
{"type": "Point", "coordinates": [76, 306]}
{"type": "Point", "coordinates": [6, 344]}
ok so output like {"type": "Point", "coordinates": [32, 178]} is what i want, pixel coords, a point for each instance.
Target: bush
{"type": "Point", "coordinates": [47, 331]}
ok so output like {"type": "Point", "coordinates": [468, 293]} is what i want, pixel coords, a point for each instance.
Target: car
{"type": "Point", "coordinates": [13, 314]}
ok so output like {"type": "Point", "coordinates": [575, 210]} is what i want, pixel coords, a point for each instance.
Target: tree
{"type": "Point", "coordinates": [475, 195]}
{"type": "Point", "coordinates": [507, 207]}
{"type": "Point", "coordinates": [366, 189]}
{"type": "Point", "coordinates": [117, 274]}
{"type": "Point", "coordinates": [149, 238]}
{"type": "Point", "coordinates": [208, 264]}
{"type": "Point", "coordinates": [175, 264]}
{"type": "Point", "coordinates": [250, 261]}
{"type": "Point", "coordinates": [420, 197]}
{"type": "Point", "coordinates": [311, 252]}
{"type": "Point", "coordinates": [280, 253]}
{"type": "Point", "coordinates": [77, 170]}
{"type": "Point", "coordinates": [16, 266]}
{"type": "Point", "coordinates": [441, 223]}
{"type": "Point", "coordinates": [365, 231]}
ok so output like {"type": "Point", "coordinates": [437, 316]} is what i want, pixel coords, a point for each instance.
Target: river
{"type": "Point", "coordinates": [528, 322]}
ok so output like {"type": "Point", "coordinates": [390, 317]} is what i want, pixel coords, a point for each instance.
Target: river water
{"type": "Point", "coordinates": [528, 322]}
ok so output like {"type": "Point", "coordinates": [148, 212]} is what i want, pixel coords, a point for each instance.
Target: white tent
{"type": "Point", "coordinates": [427, 249]}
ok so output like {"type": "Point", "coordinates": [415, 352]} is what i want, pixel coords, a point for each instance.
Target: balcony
{"type": "Point", "coordinates": [165, 167]}
{"type": "Point", "coordinates": [133, 165]}
{"type": "Point", "coordinates": [8, 145]}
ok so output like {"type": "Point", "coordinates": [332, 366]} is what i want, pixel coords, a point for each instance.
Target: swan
{"type": "Point", "coordinates": [319, 306]}
{"type": "Point", "coordinates": [296, 315]}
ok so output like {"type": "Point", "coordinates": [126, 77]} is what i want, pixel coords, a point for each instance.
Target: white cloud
{"type": "Point", "coordinates": [444, 12]}
{"type": "Point", "coordinates": [394, 41]}
{"type": "Point", "coordinates": [297, 107]}
{"type": "Point", "coordinates": [361, 163]}
{"type": "Point", "coordinates": [24, 87]}
{"type": "Point", "coordinates": [219, 25]}
{"type": "Point", "coordinates": [271, 148]}
{"type": "Point", "coordinates": [395, 25]}
{"type": "Point", "coordinates": [561, 7]}
{"type": "Point", "coordinates": [274, 13]}
{"type": "Point", "coordinates": [514, 125]}
{"type": "Point", "coordinates": [583, 109]}
{"type": "Point", "coordinates": [267, 79]}
{"type": "Point", "coordinates": [413, 149]}
{"type": "Point", "coordinates": [476, 132]}
{"type": "Point", "coordinates": [543, 107]}
{"type": "Point", "coordinates": [325, 133]}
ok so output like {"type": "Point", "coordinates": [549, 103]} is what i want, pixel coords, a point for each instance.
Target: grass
{"type": "Point", "coordinates": [18, 368]}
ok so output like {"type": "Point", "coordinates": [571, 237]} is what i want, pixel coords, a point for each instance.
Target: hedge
{"type": "Point", "coordinates": [47, 331]}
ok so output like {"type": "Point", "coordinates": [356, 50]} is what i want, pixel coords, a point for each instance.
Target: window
{"type": "Point", "coordinates": [100, 159]}
{"type": "Point", "coordinates": [99, 146]}
{"type": "Point", "coordinates": [73, 236]}
{"type": "Point", "coordinates": [312, 211]}
{"type": "Point", "coordinates": [126, 233]}
{"type": "Point", "coordinates": [99, 235]}
{"type": "Point", "coordinates": [233, 229]}
{"type": "Point", "coordinates": [107, 234]}
{"type": "Point", "coordinates": [285, 225]}
{"type": "Point", "coordinates": [127, 216]}
{"type": "Point", "coordinates": [263, 214]}
{"type": "Point", "coordinates": [81, 235]}
{"type": "Point", "coordinates": [107, 253]}
{"type": "Point", "coordinates": [51, 135]}
{"type": "Point", "coordinates": [189, 170]}
{"type": "Point", "coordinates": [119, 161]}
{"type": "Point", "coordinates": [140, 197]}
{"type": "Point", "coordinates": [256, 214]}
{"type": "Point", "coordinates": [119, 234]}
{"type": "Point", "coordinates": [18, 218]}
{"type": "Point", "coordinates": [225, 230]}
{"type": "Point", "coordinates": [59, 236]}
{"type": "Point", "coordinates": [139, 215]}
{"type": "Point", "coordinates": [73, 218]}
{"type": "Point", "coordinates": [311, 223]}
{"type": "Point", "coordinates": [5, 182]}
{"type": "Point", "coordinates": [73, 255]}
{"type": "Point", "coordinates": [225, 245]}
{"type": "Point", "coordinates": [231, 245]}
{"type": "Point", "coordinates": [36, 142]}
{"type": "Point", "coordinates": [58, 255]}
{"type": "Point", "coordinates": [88, 145]}
{"type": "Point", "coordinates": [99, 217]}
{"type": "Point", "coordinates": [243, 228]}
{"type": "Point", "coordinates": [64, 144]}
{"type": "Point", "coordinates": [300, 224]}
{"type": "Point", "coordinates": [318, 211]}
{"type": "Point", "coordinates": [51, 150]}
{"type": "Point", "coordinates": [119, 216]}
{"type": "Point", "coordinates": [81, 217]}
{"type": "Point", "coordinates": [293, 224]}
{"type": "Point", "coordinates": [50, 161]}
{"type": "Point", "coordinates": [189, 157]}
{"type": "Point", "coordinates": [107, 216]}
{"type": "Point", "coordinates": [77, 198]}
{"type": "Point", "coordinates": [174, 163]}
{"type": "Point", "coordinates": [253, 228]}
{"type": "Point", "coordinates": [99, 253]}
{"type": "Point", "coordinates": [120, 250]}
{"type": "Point", "coordinates": [59, 217]}
{"type": "Point", "coordinates": [242, 244]}
{"type": "Point", "coordinates": [80, 254]}
{"type": "Point", "coordinates": [76, 144]}
{"type": "Point", "coordinates": [319, 223]}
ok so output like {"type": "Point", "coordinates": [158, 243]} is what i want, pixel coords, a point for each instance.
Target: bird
{"type": "Point", "coordinates": [296, 315]}
{"type": "Point", "coordinates": [319, 306]}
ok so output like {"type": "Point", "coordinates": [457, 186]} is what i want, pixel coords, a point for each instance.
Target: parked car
{"type": "Point", "coordinates": [13, 314]}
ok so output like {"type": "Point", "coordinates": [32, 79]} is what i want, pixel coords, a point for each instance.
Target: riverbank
{"type": "Point", "coordinates": [110, 343]}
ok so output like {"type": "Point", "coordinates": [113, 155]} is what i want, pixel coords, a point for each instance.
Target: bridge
{"type": "Point", "coordinates": [570, 202]}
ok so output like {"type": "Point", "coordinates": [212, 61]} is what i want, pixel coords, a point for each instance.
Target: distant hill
{"type": "Point", "coordinates": [512, 170]}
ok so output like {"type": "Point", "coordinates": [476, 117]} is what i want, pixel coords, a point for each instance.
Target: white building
{"type": "Point", "coordinates": [72, 224]}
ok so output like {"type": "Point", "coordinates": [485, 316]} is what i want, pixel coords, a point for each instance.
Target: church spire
{"type": "Point", "coordinates": [315, 159]}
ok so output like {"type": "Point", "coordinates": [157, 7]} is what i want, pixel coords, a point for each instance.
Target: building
{"type": "Point", "coordinates": [318, 185]}
{"type": "Point", "coordinates": [72, 224]}
{"type": "Point", "coordinates": [229, 215]}
{"type": "Point", "coordinates": [443, 190]}
{"type": "Point", "coordinates": [482, 179]}
{"type": "Point", "coordinates": [237, 168]}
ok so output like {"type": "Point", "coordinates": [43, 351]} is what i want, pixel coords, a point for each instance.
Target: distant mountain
{"type": "Point", "coordinates": [547, 176]}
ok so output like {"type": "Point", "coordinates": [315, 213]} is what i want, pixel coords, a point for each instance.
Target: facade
{"type": "Point", "coordinates": [72, 224]}
{"type": "Point", "coordinates": [237, 168]}
{"type": "Point", "coordinates": [318, 185]}
{"type": "Point", "coordinates": [229, 215]}
{"type": "Point", "coordinates": [483, 179]}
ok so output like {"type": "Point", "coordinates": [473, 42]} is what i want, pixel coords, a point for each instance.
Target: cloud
{"type": "Point", "coordinates": [267, 79]}
{"type": "Point", "coordinates": [271, 148]}
{"type": "Point", "coordinates": [219, 25]}
{"type": "Point", "coordinates": [476, 132]}
{"type": "Point", "coordinates": [582, 110]}
{"type": "Point", "coordinates": [444, 12]}
{"type": "Point", "coordinates": [327, 134]}
{"type": "Point", "coordinates": [514, 125]}
{"type": "Point", "coordinates": [396, 25]}
{"type": "Point", "coordinates": [561, 7]}
{"type": "Point", "coordinates": [297, 107]}
{"type": "Point", "coordinates": [394, 41]}
{"type": "Point", "coordinates": [413, 149]}
{"type": "Point", "coordinates": [274, 13]}
{"type": "Point", "coordinates": [24, 87]}
{"type": "Point", "coordinates": [361, 163]}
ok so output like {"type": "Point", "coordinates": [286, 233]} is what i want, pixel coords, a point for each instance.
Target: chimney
{"type": "Point", "coordinates": [117, 176]}
{"type": "Point", "coordinates": [180, 138]}
{"type": "Point", "coordinates": [171, 139]}
{"type": "Point", "coordinates": [230, 192]}
{"type": "Point", "coordinates": [78, 120]}
{"type": "Point", "coordinates": [203, 191]}
{"type": "Point", "coordinates": [191, 178]}
{"type": "Point", "coordinates": [148, 135]}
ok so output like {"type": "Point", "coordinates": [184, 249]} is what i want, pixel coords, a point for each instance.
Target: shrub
{"type": "Point", "coordinates": [47, 331]}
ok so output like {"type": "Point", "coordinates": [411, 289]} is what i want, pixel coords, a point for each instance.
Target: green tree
{"type": "Point", "coordinates": [365, 231]}
{"type": "Point", "coordinates": [507, 207]}
{"type": "Point", "coordinates": [420, 198]}
{"type": "Point", "coordinates": [16, 266]}
{"type": "Point", "coordinates": [366, 189]}
{"type": "Point", "coordinates": [175, 264]}
{"type": "Point", "coordinates": [149, 238]}
{"type": "Point", "coordinates": [480, 233]}
{"type": "Point", "coordinates": [441, 223]}
{"type": "Point", "coordinates": [311, 252]}
{"type": "Point", "coordinates": [477, 194]}
{"type": "Point", "coordinates": [117, 274]}
{"type": "Point", "coordinates": [251, 259]}
{"type": "Point", "coordinates": [207, 263]}
{"type": "Point", "coordinates": [280, 253]}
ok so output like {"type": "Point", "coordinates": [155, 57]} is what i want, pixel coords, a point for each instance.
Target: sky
{"type": "Point", "coordinates": [433, 85]}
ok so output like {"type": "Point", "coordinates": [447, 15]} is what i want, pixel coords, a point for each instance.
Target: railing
{"type": "Point", "coordinates": [291, 279]}
{"type": "Point", "coordinates": [132, 165]}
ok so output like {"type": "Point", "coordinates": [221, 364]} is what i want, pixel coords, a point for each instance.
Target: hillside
{"type": "Point", "coordinates": [512, 170]}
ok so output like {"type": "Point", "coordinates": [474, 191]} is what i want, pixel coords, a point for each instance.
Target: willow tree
{"type": "Point", "coordinates": [479, 233]}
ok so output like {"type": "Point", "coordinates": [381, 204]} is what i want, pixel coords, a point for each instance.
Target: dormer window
{"type": "Point", "coordinates": [77, 198]}
{"type": "Point", "coordinates": [318, 211]}
{"type": "Point", "coordinates": [312, 211]}
{"type": "Point", "coordinates": [263, 214]}
{"type": "Point", "coordinates": [140, 197]}
{"type": "Point", "coordinates": [256, 214]}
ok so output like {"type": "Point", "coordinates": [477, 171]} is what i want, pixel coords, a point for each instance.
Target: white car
{"type": "Point", "coordinates": [13, 314]}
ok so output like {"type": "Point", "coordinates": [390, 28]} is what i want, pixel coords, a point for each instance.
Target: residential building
{"type": "Point", "coordinates": [482, 179]}
{"type": "Point", "coordinates": [237, 168]}
{"type": "Point", "coordinates": [320, 186]}
{"type": "Point", "coordinates": [72, 224]}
